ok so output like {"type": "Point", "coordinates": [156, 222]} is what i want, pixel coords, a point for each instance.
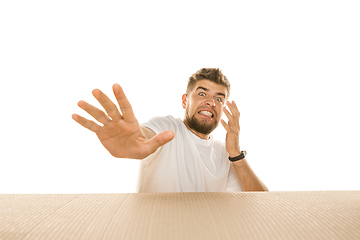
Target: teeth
{"type": "Point", "coordinates": [206, 113]}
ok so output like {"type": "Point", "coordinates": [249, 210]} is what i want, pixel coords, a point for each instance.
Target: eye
{"type": "Point", "coordinates": [218, 99]}
{"type": "Point", "coordinates": [202, 94]}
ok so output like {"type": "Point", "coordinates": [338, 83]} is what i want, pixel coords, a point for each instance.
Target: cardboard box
{"type": "Point", "coordinates": [158, 216]}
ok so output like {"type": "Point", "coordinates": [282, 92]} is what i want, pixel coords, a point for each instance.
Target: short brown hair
{"type": "Point", "coordinates": [213, 74]}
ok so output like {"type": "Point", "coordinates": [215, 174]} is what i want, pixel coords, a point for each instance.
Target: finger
{"type": "Point", "coordinates": [107, 104]}
{"type": "Point", "coordinates": [233, 122]}
{"type": "Point", "coordinates": [92, 126]}
{"type": "Point", "coordinates": [226, 126]}
{"type": "Point", "coordinates": [94, 112]}
{"type": "Point", "coordinates": [231, 118]}
{"type": "Point", "coordinates": [237, 113]}
{"type": "Point", "coordinates": [233, 108]}
{"type": "Point", "coordinates": [159, 140]}
{"type": "Point", "coordinates": [124, 104]}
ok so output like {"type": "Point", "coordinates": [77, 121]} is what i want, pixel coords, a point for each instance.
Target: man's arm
{"type": "Point", "coordinates": [248, 179]}
{"type": "Point", "coordinates": [120, 132]}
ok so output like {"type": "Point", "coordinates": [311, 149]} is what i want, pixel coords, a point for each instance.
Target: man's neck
{"type": "Point", "coordinates": [200, 135]}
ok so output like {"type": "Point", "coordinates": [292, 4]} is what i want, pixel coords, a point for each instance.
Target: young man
{"type": "Point", "coordinates": [178, 155]}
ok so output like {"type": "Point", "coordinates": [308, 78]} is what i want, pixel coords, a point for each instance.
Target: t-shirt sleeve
{"type": "Point", "coordinates": [159, 124]}
{"type": "Point", "coordinates": [233, 184]}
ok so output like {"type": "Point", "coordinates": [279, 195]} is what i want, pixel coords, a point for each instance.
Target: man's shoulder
{"type": "Point", "coordinates": [165, 119]}
{"type": "Point", "coordinates": [162, 123]}
{"type": "Point", "coordinates": [169, 117]}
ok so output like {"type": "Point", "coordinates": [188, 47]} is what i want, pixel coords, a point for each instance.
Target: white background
{"type": "Point", "coordinates": [293, 67]}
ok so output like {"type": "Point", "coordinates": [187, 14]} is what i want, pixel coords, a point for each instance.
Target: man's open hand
{"type": "Point", "coordinates": [232, 129]}
{"type": "Point", "coordinates": [121, 133]}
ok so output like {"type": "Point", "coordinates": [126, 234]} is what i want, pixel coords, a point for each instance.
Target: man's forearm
{"type": "Point", "coordinates": [248, 179]}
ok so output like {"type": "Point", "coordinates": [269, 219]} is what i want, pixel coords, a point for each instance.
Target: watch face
{"type": "Point", "coordinates": [244, 153]}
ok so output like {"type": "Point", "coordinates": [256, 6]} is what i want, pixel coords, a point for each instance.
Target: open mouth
{"type": "Point", "coordinates": [206, 113]}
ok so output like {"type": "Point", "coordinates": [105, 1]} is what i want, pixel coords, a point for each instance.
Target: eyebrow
{"type": "Point", "coordinates": [206, 89]}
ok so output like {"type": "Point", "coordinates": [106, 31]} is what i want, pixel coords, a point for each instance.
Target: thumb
{"type": "Point", "coordinates": [161, 139]}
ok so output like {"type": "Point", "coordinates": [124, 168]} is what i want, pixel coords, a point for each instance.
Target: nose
{"type": "Point", "coordinates": [210, 102]}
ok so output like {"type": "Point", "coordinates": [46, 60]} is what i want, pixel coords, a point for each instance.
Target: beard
{"type": "Point", "coordinates": [200, 126]}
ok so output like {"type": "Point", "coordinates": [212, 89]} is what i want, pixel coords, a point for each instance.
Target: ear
{"type": "Point", "coordinates": [184, 101]}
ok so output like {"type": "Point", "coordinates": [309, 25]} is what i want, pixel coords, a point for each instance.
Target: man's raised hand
{"type": "Point", "coordinates": [121, 133]}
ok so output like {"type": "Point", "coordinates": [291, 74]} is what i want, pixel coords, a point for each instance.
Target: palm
{"type": "Point", "coordinates": [116, 137]}
{"type": "Point", "coordinates": [120, 134]}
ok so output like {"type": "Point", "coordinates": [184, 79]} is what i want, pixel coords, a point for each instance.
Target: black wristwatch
{"type": "Point", "coordinates": [237, 158]}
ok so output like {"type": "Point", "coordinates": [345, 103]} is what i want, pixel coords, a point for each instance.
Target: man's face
{"type": "Point", "coordinates": [204, 106]}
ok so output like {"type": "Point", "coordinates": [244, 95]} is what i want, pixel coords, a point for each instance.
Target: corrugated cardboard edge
{"type": "Point", "coordinates": [250, 215]}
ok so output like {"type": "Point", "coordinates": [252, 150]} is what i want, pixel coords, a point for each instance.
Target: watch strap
{"type": "Point", "coordinates": [237, 158]}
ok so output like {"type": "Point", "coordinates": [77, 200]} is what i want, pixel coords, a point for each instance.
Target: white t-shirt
{"type": "Point", "coordinates": [187, 163]}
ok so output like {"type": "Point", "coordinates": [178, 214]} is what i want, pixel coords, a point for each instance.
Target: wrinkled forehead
{"type": "Point", "coordinates": [212, 87]}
